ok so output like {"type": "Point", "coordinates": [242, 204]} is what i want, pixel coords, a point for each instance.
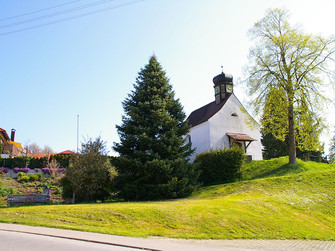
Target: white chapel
{"type": "Point", "coordinates": [224, 123]}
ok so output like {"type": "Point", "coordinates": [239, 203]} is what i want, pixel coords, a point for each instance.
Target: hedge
{"type": "Point", "coordinates": [220, 166]}
{"type": "Point", "coordinates": [32, 163]}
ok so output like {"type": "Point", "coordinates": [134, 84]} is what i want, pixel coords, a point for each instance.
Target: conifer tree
{"type": "Point", "coordinates": [153, 162]}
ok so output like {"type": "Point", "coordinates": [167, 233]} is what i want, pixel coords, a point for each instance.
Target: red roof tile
{"type": "Point", "coordinates": [38, 155]}
{"type": "Point", "coordinates": [66, 152]}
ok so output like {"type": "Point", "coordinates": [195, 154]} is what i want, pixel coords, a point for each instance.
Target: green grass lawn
{"type": "Point", "coordinates": [274, 201]}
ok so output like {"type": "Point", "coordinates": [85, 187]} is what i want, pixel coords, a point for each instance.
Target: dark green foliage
{"type": "Point", "coordinates": [275, 148]}
{"type": "Point", "coordinates": [89, 174]}
{"type": "Point", "coordinates": [332, 150]}
{"type": "Point", "coordinates": [62, 159]}
{"type": "Point", "coordinates": [38, 163]}
{"type": "Point", "coordinates": [31, 162]}
{"type": "Point", "coordinates": [153, 154]}
{"type": "Point", "coordinates": [21, 161]}
{"type": "Point", "coordinates": [156, 179]}
{"type": "Point", "coordinates": [220, 166]}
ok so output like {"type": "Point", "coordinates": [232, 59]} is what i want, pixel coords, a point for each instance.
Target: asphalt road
{"type": "Point", "coordinates": [25, 238]}
{"type": "Point", "coordinates": [13, 241]}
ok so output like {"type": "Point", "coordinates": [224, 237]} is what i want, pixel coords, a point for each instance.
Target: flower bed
{"type": "Point", "coordinates": [4, 169]}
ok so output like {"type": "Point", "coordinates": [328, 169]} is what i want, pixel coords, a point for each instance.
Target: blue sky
{"type": "Point", "coordinates": [87, 66]}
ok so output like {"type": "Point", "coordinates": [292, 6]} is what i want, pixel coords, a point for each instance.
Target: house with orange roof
{"type": "Point", "coordinates": [10, 148]}
{"type": "Point", "coordinates": [42, 155]}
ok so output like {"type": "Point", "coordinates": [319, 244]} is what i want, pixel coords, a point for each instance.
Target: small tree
{"type": "Point", "coordinates": [53, 166]}
{"type": "Point", "coordinates": [47, 149]}
{"type": "Point", "coordinates": [90, 174]}
{"type": "Point", "coordinates": [33, 148]}
{"type": "Point", "coordinates": [153, 152]}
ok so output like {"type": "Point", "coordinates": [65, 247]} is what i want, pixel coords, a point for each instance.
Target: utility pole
{"type": "Point", "coordinates": [77, 133]}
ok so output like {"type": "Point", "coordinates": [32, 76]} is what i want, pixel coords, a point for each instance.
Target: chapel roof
{"type": "Point", "coordinates": [206, 112]}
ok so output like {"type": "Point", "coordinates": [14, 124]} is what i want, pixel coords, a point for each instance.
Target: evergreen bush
{"type": "Point", "coordinates": [220, 166]}
{"type": "Point", "coordinates": [37, 162]}
{"type": "Point", "coordinates": [63, 159]}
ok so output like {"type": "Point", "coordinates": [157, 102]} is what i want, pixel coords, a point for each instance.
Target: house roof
{"type": "Point", "coordinates": [66, 152]}
{"type": "Point", "coordinates": [41, 155]}
{"type": "Point", "coordinates": [206, 112]}
{"type": "Point", "coordinates": [16, 144]}
{"type": "Point", "coordinates": [38, 155]}
{"type": "Point", "coordinates": [240, 137]}
{"type": "Point", "coordinates": [4, 134]}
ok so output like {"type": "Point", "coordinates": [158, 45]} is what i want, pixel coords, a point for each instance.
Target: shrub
{"type": "Point", "coordinates": [37, 170]}
{"type": "Point", "coordinates": [39, 176]}
{"type": "Point", "coordinates": [53, 166]}
{"type": "Point", "coordinates": [22, 177]}
{"type": "Point", "coordinates": [16, 169]}
{"type": "Point", "coordinates": [220, 166]}
{"type": "Point", "coordinates": [32, 177]}
{"type": "Point", "coordinates": [20, 174]}
{"type": "Point", "coordinates": [90, 174]}
{"type": "Point", "coordinates": [4, 169]}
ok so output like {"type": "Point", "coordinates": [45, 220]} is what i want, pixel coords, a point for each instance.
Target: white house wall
{"type": "Point", "coordinates": [199, 138]}
{"type": "Point", "coordinates": [222, 122]}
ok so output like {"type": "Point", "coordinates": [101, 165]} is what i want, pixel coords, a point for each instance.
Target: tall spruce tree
{"type": "Point", "coordinates": [153, 162]}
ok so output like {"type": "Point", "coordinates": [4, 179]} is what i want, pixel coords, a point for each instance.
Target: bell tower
{"type": "Point", "coordinates": [223, 85]}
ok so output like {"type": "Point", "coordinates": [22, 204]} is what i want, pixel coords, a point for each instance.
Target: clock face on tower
{"type": "Point", "coordinates": [229, 88]}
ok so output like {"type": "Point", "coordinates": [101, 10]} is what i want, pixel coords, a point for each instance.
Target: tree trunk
{"type": "Point", "coordinates": [73, 197]}
{"type": "Point", "coordinates": [291, 136]}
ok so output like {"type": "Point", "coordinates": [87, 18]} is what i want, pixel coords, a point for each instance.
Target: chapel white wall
{"type": "Point", "coordinates": [222, 122]}
{"type": "Point", "coordinates": [200, 138]}
{"type": "Point", "coordinates": [212, 133]}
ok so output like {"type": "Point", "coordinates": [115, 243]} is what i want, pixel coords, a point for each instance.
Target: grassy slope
{"type": "Point", "coordinates": [300, 203]}
{"type": "Point", "coordinates": [12, 186]}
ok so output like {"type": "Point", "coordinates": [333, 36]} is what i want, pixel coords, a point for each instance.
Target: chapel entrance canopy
{"type": "Point", "coordinates": [239, 137]}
